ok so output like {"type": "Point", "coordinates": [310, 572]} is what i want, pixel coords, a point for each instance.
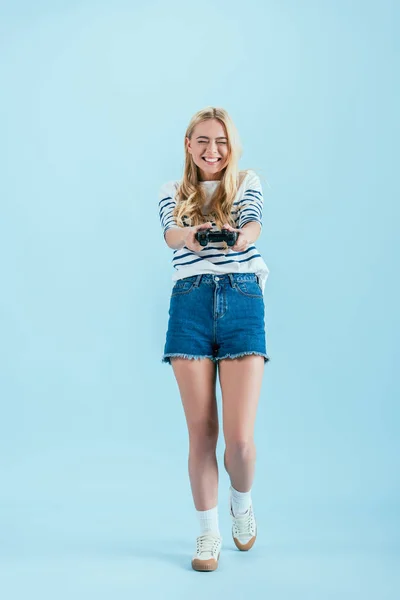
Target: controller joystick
{"type": "Point", "coordinates": [206, 236]}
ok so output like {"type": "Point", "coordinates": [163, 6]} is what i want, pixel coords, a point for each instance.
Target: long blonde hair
{"type": "Point", "coordinates": [190, 195]}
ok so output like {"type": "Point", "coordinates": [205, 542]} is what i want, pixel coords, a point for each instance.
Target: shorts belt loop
{"type": "Point", "coordinates": [231, 279]}
{"type": "Point", "coordinates": [198, 280]}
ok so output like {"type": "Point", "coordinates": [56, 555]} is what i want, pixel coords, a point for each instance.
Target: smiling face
{"type": "Point", "coordinates": [209, 148]}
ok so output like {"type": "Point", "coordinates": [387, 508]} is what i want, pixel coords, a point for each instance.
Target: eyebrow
{"type": "Point", "coordinates": [221, 137]}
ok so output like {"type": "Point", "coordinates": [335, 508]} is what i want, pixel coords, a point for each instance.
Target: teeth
{"type": "Point", "coordinates": [211, 159]}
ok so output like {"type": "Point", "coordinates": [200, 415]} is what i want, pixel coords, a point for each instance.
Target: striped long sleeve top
{"type": "Point", "coordinates": [214, 258]}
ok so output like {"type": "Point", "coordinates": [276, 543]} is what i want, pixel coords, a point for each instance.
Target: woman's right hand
{"type": "Point", "coordinates": [190, 241]}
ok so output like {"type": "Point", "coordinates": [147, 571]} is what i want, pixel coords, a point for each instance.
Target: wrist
{"type": "Point", "coordinates": [252, 231]}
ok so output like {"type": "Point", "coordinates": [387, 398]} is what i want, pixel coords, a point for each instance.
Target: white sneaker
{"type": "Point", "coordinates": [244, 529]}
{"type": "Point", "coordinates": [208, 549]}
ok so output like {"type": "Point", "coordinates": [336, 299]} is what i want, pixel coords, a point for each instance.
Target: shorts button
{"type": "Point", "coordinates": [216, 278]}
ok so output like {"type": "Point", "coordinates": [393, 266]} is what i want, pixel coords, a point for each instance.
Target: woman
{"type": "Point", "coordinates": [216, 320]}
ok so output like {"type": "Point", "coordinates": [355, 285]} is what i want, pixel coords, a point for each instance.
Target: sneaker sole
{"type": "Point", "coordinates": [205, 565]}
{"type": "Point", "coordinates": [244, 547]}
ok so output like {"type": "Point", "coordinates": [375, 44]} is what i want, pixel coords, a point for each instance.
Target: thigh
{"type": "Point", "coordinates": [241, 331]}
{"type": "Point", "coordinates": [190, 325]}
{"type": "Point", "coordinates": [241, 381]}
{"type": "Point", "coordinates": [196, 380]}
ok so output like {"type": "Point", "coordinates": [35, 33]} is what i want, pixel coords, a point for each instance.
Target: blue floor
{"type": "Point", "coordinates": [84, 523]}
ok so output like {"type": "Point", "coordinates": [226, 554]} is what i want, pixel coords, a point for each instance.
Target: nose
{"type": "Point", "coordinates": [212, 148]}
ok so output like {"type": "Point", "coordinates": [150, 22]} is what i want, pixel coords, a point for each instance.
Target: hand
{"type": "Point", "coordinates": [242, 243]}
{"type": "Point", "coordinates": [190, 241]}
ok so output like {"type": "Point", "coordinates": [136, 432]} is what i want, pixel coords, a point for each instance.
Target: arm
{"type": "Point", "coordinates": [253, 230]}
{"type": "Point", "coordinates": [175, 237]}
{"type": "Point", "coordinates": [250, 218]}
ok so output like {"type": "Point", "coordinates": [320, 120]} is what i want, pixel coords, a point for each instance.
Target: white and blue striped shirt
{"type": "Point", "coordinates": [214, 258]}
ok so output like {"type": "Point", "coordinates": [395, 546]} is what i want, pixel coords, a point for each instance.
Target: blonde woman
{"type": "Point", "coordinates": [216, 321]}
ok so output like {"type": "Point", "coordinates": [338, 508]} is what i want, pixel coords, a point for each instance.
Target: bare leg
{"type": "Point", "coordinates": [241, 380]}
{"type": "Point", "coordinates": [196, 381]}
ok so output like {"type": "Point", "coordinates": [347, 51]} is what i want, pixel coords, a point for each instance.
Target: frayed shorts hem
{"type": "Point", "coordinates": [166, 358]}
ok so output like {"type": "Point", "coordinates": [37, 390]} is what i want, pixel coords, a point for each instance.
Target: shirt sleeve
{"type": "Point", "coordinates": [166, 205]}
{"type": "Point", "coordinates": [252, 201]}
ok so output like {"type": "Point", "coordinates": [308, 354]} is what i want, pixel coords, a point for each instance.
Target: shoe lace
{"type": "Point", "coordinates": [244, 523]}
{"type": "Point", "coordinates": [207, 543]}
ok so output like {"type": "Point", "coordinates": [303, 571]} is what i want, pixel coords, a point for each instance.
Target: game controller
{"type": "Point", "coordinates": [206, 236]}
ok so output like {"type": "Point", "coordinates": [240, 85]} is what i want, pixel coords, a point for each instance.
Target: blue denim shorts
{"type": "Point", "coordinates": [216, 317]}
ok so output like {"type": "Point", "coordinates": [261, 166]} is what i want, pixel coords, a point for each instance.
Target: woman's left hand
{"type": "Point", "coordinates": [242, 243]}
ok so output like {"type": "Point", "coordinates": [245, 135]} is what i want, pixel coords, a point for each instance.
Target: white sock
{"type": "Point", "coordinates": [208, 520]}
{"type": "Point", "coordinates": [240, 501]}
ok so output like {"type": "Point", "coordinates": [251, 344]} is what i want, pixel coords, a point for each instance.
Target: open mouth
{"type": "Point", "coordinates": [212, 161]}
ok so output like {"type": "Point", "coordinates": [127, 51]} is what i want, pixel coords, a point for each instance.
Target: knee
{"type": "Point", "coordinates": [239, 449]}
{"type": "Point", "coordinates": [203, 435]}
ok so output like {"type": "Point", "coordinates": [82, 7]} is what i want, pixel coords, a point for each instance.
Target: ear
{"type": "Point", "coordinates": [187, 141]}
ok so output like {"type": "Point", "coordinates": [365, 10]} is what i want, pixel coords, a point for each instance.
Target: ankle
{"type": "Point", "coordinates": [240, 501]}
{"type": "Point", "coordinates": [208, 520]}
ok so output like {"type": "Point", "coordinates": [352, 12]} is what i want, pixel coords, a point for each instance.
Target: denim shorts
{"type": "Point", "coordinates": [216, 317]}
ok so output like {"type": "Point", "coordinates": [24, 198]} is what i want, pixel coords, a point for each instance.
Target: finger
{"type": "Point", "coordinates": [205, 225]}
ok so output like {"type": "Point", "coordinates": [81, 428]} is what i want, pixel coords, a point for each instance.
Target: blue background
{"type": "Point", "coordinates": [95, 100]}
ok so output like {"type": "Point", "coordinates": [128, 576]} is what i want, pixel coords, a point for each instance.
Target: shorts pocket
{"type": "Point", "coordinates": [251, 289]}
{"type": "Point", "coordinates": [182, 287]}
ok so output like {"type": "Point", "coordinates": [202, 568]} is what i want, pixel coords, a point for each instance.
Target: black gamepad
{"type": "Point", "coordinates": [205, 236]}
